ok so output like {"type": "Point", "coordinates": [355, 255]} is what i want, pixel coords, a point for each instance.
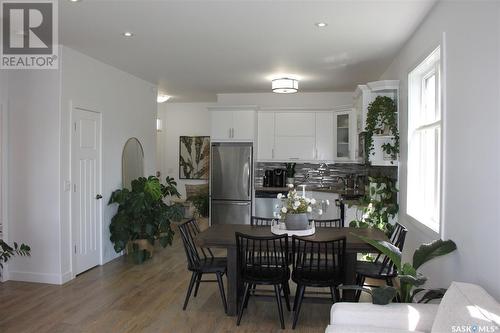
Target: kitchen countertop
{"type": "Point", "coordinates": [350, 193]}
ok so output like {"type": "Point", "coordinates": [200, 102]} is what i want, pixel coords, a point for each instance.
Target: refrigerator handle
{"type": "Point", "coordinates": [249, 177]}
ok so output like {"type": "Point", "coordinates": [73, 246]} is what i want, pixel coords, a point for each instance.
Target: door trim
{"type": "Point", "coordinates": [99, 186]}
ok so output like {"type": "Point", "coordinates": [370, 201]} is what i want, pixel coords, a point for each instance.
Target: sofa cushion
{"type": "Point", "coordinates": [467, 308]}
{"type": "Point", "coordinates": [402, 317]}
{"type": "Point", "coordinates": [364, 329]}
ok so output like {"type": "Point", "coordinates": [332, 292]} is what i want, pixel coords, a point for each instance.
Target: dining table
{"type": "Point", "coordinates": [222, 236]}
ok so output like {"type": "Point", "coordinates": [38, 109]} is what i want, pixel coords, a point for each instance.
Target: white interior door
{"type": "Point", "coordinates": [86, 177]}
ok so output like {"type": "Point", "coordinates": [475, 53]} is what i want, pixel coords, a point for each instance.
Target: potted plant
{"type": "Point", "coordinates": [201, 205]}
{"type": "Point", "coordinates": [379, 205]}
{"type": "Point", "coordinates": [410, 280]}
{"type": "Point", "coordinates": [143, 217]}
{"type": "Point", "coordinates": [382, 119]}
{"type": "Point", "coordinates": [294, 210]}
{"type": "Point", "coordinates": [290, 173]}
{"type": "Point", "coordinates": [7, 251]}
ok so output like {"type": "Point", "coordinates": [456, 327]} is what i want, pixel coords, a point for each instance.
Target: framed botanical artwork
{"type": "Point", "coordinates": [194, 157]}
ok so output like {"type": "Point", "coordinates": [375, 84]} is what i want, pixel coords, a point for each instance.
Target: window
{"type": "Point", "coordinates": [424, 142]}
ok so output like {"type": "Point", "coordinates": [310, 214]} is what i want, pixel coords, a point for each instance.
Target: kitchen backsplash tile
{"type": "Point", "coordinates": [322, 174]}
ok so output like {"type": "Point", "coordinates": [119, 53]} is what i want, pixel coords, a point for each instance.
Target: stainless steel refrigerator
{"type": "Point", "coordinates": [231, 183]}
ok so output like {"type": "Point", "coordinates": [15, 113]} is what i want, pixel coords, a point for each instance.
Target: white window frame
{"type": "Point", "coordinates": [417, 205]}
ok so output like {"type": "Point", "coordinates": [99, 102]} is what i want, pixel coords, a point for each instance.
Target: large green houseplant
{"type": "Point", "coordinates": [410, 280]}
{"type": "Point", "coordinates": [143, 217]}
{"type": "Point", "coordinates": [378, 205]}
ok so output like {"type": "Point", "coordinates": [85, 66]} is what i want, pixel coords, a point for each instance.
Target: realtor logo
{"type": "Point", "coordinates": [29, 34]}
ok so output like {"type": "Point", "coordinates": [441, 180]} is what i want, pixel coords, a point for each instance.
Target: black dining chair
{"type": "Point", "coordinates": [262, 221]}
{"type": "Point", "coordinates": [382, 267]}
{"type": "Point", "coordinates": [201, 261]}
{"type": "Point", "coordinates": [317, 264]}
{"type": "Point", "coordinates": [263, 261]}
{"type": "Point", "coordinates": [332, 223]}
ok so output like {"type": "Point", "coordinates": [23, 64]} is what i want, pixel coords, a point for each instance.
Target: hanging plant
{"type": "Point", "coordinates": [382, 119]}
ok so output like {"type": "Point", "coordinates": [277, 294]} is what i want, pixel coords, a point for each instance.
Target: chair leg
{"type": "Point", "coordinates": [277, 292]}
{"type": "Point", "coordinates": [286, 293]}
{"type": "Point", "coordinates": [334, 294]}
{"type": "Point", "coordinates": [360, 281]}
{"type": "Point", "coordinates": [198, 281]}
{"type": "Point", "coordinates": [190, 289]}
{"type": "Point", "coordinates": [221, 290]}
{"type": "Point", "coordinates": [300, 297]}
{"type": "Point", "coordinates": [242, 305]}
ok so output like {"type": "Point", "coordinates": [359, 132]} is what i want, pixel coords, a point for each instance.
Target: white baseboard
{"type": "Point", "coordinates": [66, 277]}
{"type": "Point", "coordinates": [37, 277]}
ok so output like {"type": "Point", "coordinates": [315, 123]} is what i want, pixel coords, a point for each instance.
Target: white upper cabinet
{"type": "Point", "coordinates": [265, 135]}
{"type": "Point", "coordinates": [295, 124]}
{"type": "Point", "coordinates": [294, 148]}
{"type": "Point", "coordinates": [324, 136]}
{"type": "Point", "coordinates": [295, 138]}
{"type": "Point", "coordinates": [344, 124]}
{"type": "Point", "coordinates": [232, 123]}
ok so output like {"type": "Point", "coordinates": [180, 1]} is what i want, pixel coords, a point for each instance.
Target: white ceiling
{"type": "Point", "coordinates": [196, 49]}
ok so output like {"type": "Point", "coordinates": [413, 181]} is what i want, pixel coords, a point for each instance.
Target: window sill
{"type": "Point", "coordinates": [424, 229]}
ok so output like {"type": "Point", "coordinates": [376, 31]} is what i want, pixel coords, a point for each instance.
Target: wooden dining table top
{"type": "Point", "coordinates": [223, 236]}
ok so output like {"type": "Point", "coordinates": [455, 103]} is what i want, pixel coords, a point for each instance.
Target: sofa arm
{"type": "Point", "coordinates": [410, 317]}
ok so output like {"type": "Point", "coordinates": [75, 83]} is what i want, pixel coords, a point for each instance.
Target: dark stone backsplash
{"type": "Point", "coordinates": [323, 174]}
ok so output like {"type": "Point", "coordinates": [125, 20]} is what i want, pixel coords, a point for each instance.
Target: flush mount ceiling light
{"type": "Point", "coordinates": [128, 34]}
{"type": "Point", "coordinates": [321, 24]}
{"type": "Point", "coordinates": [285, 85]}
{"type": "Point", "coordinates": [162, 98]}
{"type": "Point", "coordinates": [74, 0]}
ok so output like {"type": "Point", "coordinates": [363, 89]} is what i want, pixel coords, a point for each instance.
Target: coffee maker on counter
{"type": "Point", "coordinates": [279, 177]}
{"type": "Point", "coordinates": [274, 178]}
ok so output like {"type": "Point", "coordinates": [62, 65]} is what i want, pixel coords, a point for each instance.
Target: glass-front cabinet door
{"type": "Point", "coordinates": [343, 135]}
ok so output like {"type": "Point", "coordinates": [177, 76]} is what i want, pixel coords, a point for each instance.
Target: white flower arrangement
{"type": "Point", "coordinates": [293, 203]}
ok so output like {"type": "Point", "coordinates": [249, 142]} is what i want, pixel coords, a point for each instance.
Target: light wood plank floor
{"type": "Point", "coordinates": [123, 297]}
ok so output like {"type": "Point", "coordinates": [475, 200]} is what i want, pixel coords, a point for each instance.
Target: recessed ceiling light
{"type": "Point", "coordinates": [321, 24]}
{"type": "Point", "coordinates": [74, 0]}
{"type": "Point", "coordinates": [162, 98]}
{"type": "Point", "coordinates": [128, 34]}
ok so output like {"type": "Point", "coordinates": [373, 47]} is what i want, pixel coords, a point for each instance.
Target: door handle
{"type": "Point", "coordinates": [98, 197]}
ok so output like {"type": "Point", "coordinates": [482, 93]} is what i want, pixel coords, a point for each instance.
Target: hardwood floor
{"type": "Point", "coordinates": [123, 297]}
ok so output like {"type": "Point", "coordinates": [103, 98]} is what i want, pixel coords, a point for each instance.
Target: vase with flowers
{"type": "Point", "coordinates": [294, 210]}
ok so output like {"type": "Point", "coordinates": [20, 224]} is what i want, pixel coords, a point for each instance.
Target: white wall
{"type": "Point", "coordinates": [3, 148]}
{"type": "Point", "coordinates": [471, 185]}
{"type": "Point", "coordinates": [128, 107]}
{"type": "Point", "coordinates": [33, 173]}
{"type": "Point", "coordinates": [313, 100]}
{"type": "Point", "coordinates": [179, 119]}
{"type": "Point", "coordinates": [39, 111]}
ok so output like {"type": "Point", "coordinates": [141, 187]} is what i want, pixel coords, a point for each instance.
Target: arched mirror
{"type": "Point", "coordinates": [132, 162]}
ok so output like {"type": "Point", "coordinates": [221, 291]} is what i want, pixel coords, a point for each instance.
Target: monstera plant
{"type": "Point", "coordinates": [7, 251]}
{"type": "Point", "coordinates": [143, 217]}
{"type": "Point", "coordinates": [410, 280]}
